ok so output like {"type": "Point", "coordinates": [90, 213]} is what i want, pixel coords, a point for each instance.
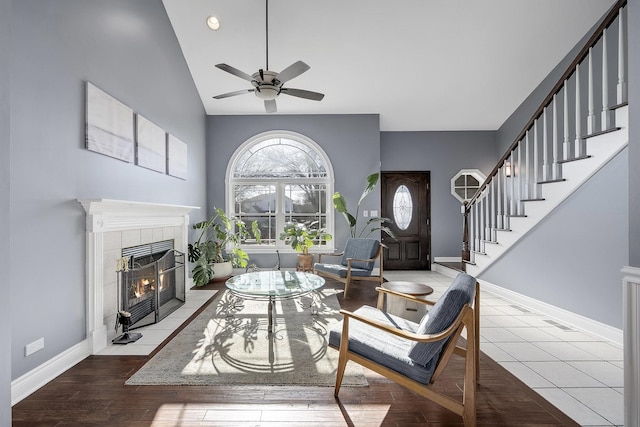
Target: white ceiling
{"type": "Point", "coordinates": [420, 64]}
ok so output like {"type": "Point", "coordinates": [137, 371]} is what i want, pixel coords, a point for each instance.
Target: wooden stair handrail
{"type": "Point", "coordinates": [597, 34]}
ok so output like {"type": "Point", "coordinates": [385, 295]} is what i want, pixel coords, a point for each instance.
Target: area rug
{"type": "Point", "coordinates": [228, 343]}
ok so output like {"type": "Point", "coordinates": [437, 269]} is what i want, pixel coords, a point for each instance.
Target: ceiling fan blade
{"type": "Point", "coordinates": [270, 106]}
{"type": "Point", "coordinates": [306, 94]}
{"type": "Point", "coordinates": [234, 71]}
{"type": "Point", "coordinates": [237, 92]}
{"type": "Point", "coordinates": [292, 71]}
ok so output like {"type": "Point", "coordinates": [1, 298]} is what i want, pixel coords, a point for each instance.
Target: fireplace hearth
{"type": "Point", "coordinates": [151, 283]}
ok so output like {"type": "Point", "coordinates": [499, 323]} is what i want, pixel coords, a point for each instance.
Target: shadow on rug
{"type": "Point", "coordinates": [228, 343]}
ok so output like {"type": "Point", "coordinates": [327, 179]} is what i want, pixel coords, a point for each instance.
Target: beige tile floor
{"type": "Point", "coordinates": [579, 373]}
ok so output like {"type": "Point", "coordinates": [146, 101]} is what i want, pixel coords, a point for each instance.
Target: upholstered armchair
{"type": "Point", "coordinates": [414, 355]}
{"type": "Point", "coordinates": [356, 263]}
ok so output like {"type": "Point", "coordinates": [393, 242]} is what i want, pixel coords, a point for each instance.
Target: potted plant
{"type": "Point", "coordinates": [301, 236]}
{"type": "Point", "coordinates": [209, 252]}
{"type": "Point", "coordinates": [373, 223]}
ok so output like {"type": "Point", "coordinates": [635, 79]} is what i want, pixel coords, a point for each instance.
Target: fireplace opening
{"type": "Point", "coordinates": [152, 286]}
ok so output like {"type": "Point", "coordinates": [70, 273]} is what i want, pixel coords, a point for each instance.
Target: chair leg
{"type": "Point", "coordinates": [342, 358]}
{"type": "Point", "coordinates": [342, 365]}
{"type": "Point", "coordinates": [347, 281]}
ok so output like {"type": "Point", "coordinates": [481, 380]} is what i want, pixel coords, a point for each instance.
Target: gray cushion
{"type": "Point", "coordinates": [441, 316]}
{"type": "Point", "coordinates": [360, 249]}
{"type": "Point", "coordinates": [340, 270]}
{"type": "Point", "coordinates": [383, 348]}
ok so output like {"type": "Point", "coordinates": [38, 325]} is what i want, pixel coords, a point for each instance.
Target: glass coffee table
{"type": "Point", "coordinates": [273, 285]}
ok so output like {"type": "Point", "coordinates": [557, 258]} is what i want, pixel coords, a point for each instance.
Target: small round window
{"type": "Point", "coordinates": [402, 207]}
{"type": "Point", "coordinates": [465, 184]}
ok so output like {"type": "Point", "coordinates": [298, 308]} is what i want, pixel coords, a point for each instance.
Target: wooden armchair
{"type": "Point", "coordinates": [414, 355]}
{"type": "Point", "coordinates": [357, 261]}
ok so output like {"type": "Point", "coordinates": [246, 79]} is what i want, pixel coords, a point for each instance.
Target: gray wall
{"type": "Point", "coordinates": [128, 49]}
{"type": "Point", "coordinates": [572, 259]}
{"type": "Point", "coordinates": [634, 132]}
{"type": "Point", "coordinates": [352, 143]}
{"type": "Point", "coordinates": [5, 265]}
{"type": "Point", "coordinates": [443, 154]}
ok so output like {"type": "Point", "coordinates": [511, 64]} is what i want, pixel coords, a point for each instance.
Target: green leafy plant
{"type": "Point", "coordinates": [301, 236]}
{"type": "Point", "coordinates": [373, 223]}
{"type": "Point", "coordinates": [216, 233]}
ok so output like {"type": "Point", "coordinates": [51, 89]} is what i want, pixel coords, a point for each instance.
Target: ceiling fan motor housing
{"type": "Point", "coordinates": [266, 84]}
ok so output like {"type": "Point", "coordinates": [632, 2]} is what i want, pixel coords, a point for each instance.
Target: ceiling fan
{"type": "Point", "coordinates": [267, 85]}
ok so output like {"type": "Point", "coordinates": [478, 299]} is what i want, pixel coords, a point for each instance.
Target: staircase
{"type": "Point", "coordinates": [576, 130]}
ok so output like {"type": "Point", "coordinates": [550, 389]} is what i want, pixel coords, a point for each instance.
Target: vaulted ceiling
{"type": "Point", "coordinates": [420, 64]}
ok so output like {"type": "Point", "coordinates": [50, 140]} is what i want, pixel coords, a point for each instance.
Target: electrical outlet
{"type": "Point", "coordinates": [365, 214]}
{"type": "Point", "coordinates": [31, 348]}
{"type": "Point", "coordinates": [374, 213]}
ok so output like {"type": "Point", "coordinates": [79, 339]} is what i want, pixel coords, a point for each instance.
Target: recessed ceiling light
{"type": "Point", "coordinates": [213, 22]}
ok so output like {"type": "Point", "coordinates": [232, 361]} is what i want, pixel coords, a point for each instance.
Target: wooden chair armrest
{"type": "Point", "coordinates": [406, 334]}
{"type": "Point", "coordinates": [320, 255]}
{"type": "Point", "coordinates": [405, 296]}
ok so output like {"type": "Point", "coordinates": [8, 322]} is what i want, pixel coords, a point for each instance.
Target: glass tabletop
{"type": "Point", "coordinates": [280, 284]}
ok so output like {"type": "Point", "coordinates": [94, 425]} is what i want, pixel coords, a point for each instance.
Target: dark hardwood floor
{"type": "Point", "coordinates": [93, 393]}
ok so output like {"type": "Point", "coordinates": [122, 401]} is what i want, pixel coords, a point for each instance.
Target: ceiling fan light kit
{"type": "Point", "coordinates": [268, 85]}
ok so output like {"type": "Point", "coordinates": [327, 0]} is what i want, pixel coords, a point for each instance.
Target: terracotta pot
{"type": "Point", "coordinates": [305, 262]}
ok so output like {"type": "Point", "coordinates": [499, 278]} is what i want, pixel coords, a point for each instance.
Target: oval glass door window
{"type": "Point", "coordinates": [402, 207]}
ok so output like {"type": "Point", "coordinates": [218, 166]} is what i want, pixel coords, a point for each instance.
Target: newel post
{"type": "Point", "coordinates": [466, 255]}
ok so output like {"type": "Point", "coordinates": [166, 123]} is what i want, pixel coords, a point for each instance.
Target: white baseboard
{"type": "Point", "coordinates": [564, 316]}
{"type": "Point", "coordinates": [31, 381]}
{"type": "Point", "coordinates": [447, 259]}
{"type": "Point", "coordinates": [444, 270]}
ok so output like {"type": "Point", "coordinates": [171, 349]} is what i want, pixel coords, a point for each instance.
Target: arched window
{"type": "Point", "coordinates": [279, 177]}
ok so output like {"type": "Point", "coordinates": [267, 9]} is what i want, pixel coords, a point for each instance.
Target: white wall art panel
{"type": "Point", "coordinates": [177, 158]}
{"type": "Point", "coordinates": [151, 145]}
{"type": "Point", "coordinates": [109, 125]}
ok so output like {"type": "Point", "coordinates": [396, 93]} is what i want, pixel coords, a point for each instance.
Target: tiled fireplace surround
{"type": "Point", "coordinates": [111, 226]}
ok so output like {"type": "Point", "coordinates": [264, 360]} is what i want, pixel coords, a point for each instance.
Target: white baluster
{"type": "Point", "coordinates": [483, 230]}
{"type": "Point", "coordinates": [591, 117]}
{"type": "Point", "coordinates": [556, 168]}
{"type": "Point", "coordinates": [535, 164]}
{"type": "Point", "coordinates": [527, 166]}
{"type": "Point", "coordinates": [519, 167]}
{"type": "Point", "coordinates": [546, 164]}
{"type": "Point", "coordinates": [606, 117]}
{"type": "Point", "coordinates": [505, 195]}
{"type": "Point", "coordinates": [491, 208]}
{"type": "Point", "coordinates": [578, 152]}
{"type": "Point", "coordinates": [536, 159]}
{"type": "Point", "coordinates": [512, 205]}
{"type": "Point", "coordinates": [566, 145]}
{"type": "Point", "coordinates": [622, 51]}
{"type": "Point", "coordinates": [500, 207]}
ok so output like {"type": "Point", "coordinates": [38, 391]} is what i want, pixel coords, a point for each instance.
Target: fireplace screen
{"type": "Point", "coordinates": [153, 287]}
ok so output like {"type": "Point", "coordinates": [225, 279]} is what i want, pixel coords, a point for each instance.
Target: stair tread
{"type": "Point", "coordinates": [517, 216]}
{"type": "Point", "coordinates": [532, 200]}
{"type": "Point", "coordinates": [601, 132]}
{"type": "Point", "coordinates": [573, 159]}
{"type": "Point", "coordinates": [551, 181]}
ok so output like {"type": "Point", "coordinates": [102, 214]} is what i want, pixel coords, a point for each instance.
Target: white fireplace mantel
{"type": "Point", "coordinates": [115, 215]}
{"type": "Point", "coordinates": [107, 215]}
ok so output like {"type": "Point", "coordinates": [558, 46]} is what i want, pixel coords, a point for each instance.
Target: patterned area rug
{"type": "Point", "coordinates": [228, 343]}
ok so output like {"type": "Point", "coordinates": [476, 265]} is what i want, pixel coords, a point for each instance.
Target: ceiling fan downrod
{"type": "Point", "coordinates": [267, 33]}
